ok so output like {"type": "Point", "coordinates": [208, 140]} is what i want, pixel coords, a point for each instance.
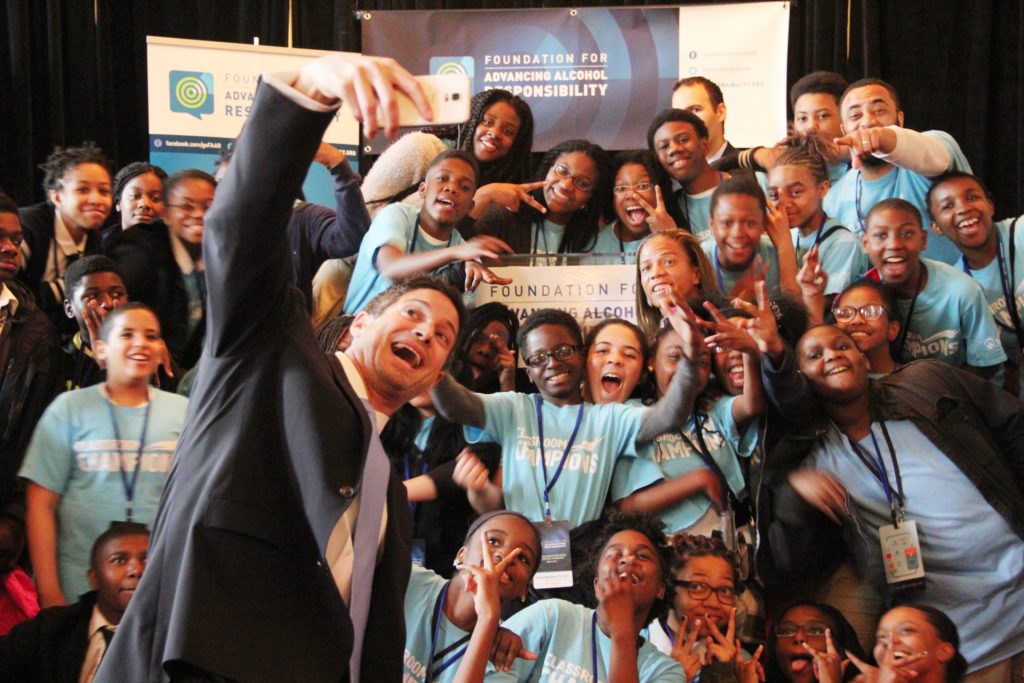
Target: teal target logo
{"type": "Point", "coordinates": [192, 93]}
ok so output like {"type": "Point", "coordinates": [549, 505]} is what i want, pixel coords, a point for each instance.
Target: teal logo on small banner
{"type": "Point", "coordinates": [192, 93]}
{"type": "Point", "coordinates": [443, 66]}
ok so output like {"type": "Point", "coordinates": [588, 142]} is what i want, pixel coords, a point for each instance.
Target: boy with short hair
{"type": "Point", "coordinates": [403, 241]}
{"type": "Point", "coordinates": [943, 313]}
{"type": "Point", "coordinates": [962, 209]}
{"type": "Point", "coordinates": [93, 287]}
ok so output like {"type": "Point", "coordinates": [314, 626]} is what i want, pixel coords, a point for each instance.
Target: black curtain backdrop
{"type": "Point", "coordinates": [73, 70]}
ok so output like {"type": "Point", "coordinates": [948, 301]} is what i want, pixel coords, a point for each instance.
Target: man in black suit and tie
{"type": "Point", "coordinates": [282, 538]}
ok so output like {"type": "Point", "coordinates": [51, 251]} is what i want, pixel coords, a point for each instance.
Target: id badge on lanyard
{"type": "Point", "coordinates": [555, 570]}
{"type": "Point", "coordinates": [899, 541]}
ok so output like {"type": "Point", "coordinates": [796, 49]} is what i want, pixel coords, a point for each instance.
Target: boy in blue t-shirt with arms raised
{"type": "Point", "coordinates": [403, 241]}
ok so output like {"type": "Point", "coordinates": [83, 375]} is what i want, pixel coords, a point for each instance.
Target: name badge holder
{"type": "Point", "coordinates": [901, 547]}
{"type": "Point", "coordinates": [555, 570]}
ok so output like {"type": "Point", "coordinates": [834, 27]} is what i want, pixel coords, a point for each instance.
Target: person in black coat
{"type": "Point", "coordinates": [79, 197]}
{"type": "Point", "coordinates": [247, 580]}
{"type": "Point", "coordinates": [66, 643]}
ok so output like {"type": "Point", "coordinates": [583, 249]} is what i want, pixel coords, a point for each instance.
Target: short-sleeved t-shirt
{"type": "Point", "coordinates": [972, 558]}
{"type": "Point", "coordinates": [727, 279]}
{"type": "Point", "coordinates": [547, 238]}
{"type": "Point", "coordinates": [560, 633]}
{"type": "Point", "coordinates": [607, 432]}
{"type": "Point", "coordinates": [395, 226]}
{"type": "Point", "coordinates": [951, 321]}
{"type": "Point", "coordinates": [696, 209]}
{"type": "Point", "coordinates": [839, 252]}
{"type": "Point", "coordinates": [675, 456]}
{"type": "Point", "coordinates": [75, 453]}
{"type": "Point", "coordinates": [841, 201]}
{"type": "Point", "coordinates": [420, 603]}
{"type": "Point", "coordinates": [991, 283]}
{"type": "Point", "coordinates": [610, 243]}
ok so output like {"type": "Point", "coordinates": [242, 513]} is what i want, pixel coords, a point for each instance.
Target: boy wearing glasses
{"type": "Point", "coordinates": [403, 241]}
{"type": "Point", "coordinates": [558, 452]}
{"type": "Point", "coordinates": [942, 312]}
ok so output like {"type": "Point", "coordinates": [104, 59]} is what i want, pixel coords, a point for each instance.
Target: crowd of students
{"type": "Point", "coordinates": [823, 374]}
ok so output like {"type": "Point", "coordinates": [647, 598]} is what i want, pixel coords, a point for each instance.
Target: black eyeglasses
{"type": "Point", "coordinates": [813, 629]}
{"type": "Point", "coordinates": [563, 172]}
{"type": "Point", "coordinates": [869, 312]}
{"type": "Point", "coordinates": [563, 352]}
{"type": "Point", "coordinates": [698, 590]}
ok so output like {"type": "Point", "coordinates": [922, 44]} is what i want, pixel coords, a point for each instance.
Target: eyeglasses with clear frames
{"type": "Point", "coordinates": [563, 352]}
{"type": "Point", "coordinates": [869, 312]}
{"type": "Point", "coordinates": [639, 187]}
{"type": "Point", "coordinates": [582, 184]}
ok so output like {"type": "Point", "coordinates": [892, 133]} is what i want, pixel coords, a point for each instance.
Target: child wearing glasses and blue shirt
{"type": "Point", "coordinates": [404, 241]}
{"type": "Point", "coordinates": [559, 452]}
{"type": "Point", "coordinates": [638, 204]}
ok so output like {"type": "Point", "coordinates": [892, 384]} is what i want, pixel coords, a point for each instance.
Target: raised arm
{"type": "Point", "coordinates": [674, 408]}
{"type": "Point", "coordinates": [458, 404]}
{"type": "Point", "coordinates": [247, 270]}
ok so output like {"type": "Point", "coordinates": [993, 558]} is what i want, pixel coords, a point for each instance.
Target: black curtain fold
{"type": "Point", "coordinates": [67, 75]}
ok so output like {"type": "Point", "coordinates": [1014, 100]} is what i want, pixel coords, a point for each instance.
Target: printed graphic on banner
{"type": "Point", "coordinates": [191, 92]}
{"type": "Point", "coordinates": [200, 94]}
{"type": "Point", "coordinates": [590, 293]}
{"type": "Point", "coordinates": [743, 49]}
{"type": "Point", "coordinates": [593, 73]}
{"type": "Point", "coordinates": [444, 66]}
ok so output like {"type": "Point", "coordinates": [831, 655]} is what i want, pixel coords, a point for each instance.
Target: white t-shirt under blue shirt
{"type": "Point", "coordinates": [420, 602]}
{"type": "Point", "coordinates": [841, 200]}
{"type": "Point", "coordinates": [75, 453]}
{"type": "Point", "coordinates": [560, 633]}
{"type": "Point", "coordinates": [607, 432]}
{"type": "Point", "coordinates": [395, 225]}
{"type": "Point", "coordinates": [972, 558]}
{"type": "Point", "coordinates": [951, 321]}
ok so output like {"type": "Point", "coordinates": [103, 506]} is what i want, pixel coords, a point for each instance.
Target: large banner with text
{"type": "Point", "coordinates": [200, 94]}
{"type": "Point", "coordinates": [602, 73]}
{"type": "Point", "coordinates": [590, 293]}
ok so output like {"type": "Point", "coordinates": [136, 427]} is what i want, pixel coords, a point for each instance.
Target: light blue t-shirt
{"type": "Point", "coordinates": [74, 452]}
{"type": "Point", "coordinates": [395, 225]}
{"type": "Point", "coordinates": [420, 601]}
{"type": "Point", "coordinates": [837, 171]}
{"type": "Point", "coordinates": [547, 238]}
{"type": "Point", "coordinates": [696, 209]}
{"type": "Point", "coordinates": [610, 243]}
{"type": "Point", "coordinates": [841, 200]}
{"type": "Point", "coordinates": [840, 253]}
{"type": "Point", "coordinates": [990, 281]}
{"type": "Point", "coordinates": [607, 432]}
{"type": "Point", "coordinates": [727, 279]}
{"type": "Point", "coordinates": [675, 456]}
{"type": "Point", "coordinates": [972, 558]}
{"type": "Point", "coordinates": [951, 321]}
{"type": "Point", "coordinates": [560, 633]}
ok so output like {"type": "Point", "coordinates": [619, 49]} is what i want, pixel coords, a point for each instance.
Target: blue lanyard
{"type": "Point", "coordinates": [876, 465]}
{"type": "Point", "coordinates": [1006, 282]}
{"type": "Point", "coordinates": [705, 454]}
{"type": "Point", "coordinates": [821, 226]}
{"type": "Point", "coordinates": [860, 191]}
{"type": "Point", "coordinates": [718, 271]}
{"type": "Point", "coordinates": [902, 341]}
{"type": "Point", "coordinates": [433, 673]}
{"type": "Point", "coordinates": [548, 485]}
{"type": "Point", "coordinates": [667, 629]}
{"type": "Point", "coordinates": [129, 484]}
{"type": "Point", "coordinates": [593, 644]}
{"type": "Point", "coordinates": [416, 233]}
